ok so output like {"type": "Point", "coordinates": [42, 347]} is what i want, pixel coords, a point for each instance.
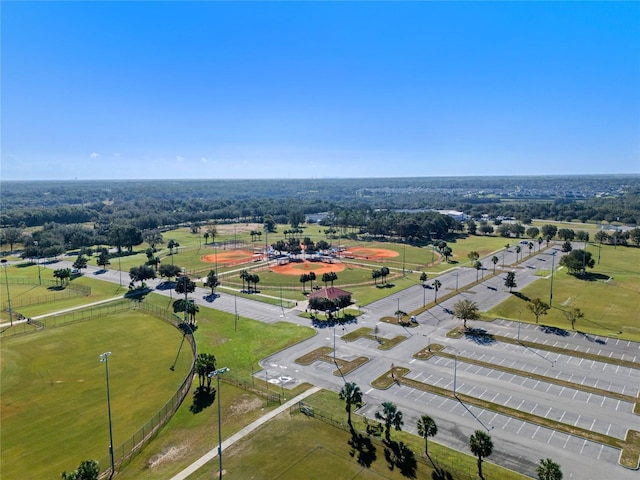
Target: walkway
{"type": "Point", "coordinates": [213, 453]}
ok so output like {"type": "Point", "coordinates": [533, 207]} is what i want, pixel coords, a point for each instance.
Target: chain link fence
{"type": "Point", "coordinates": [68, 291]}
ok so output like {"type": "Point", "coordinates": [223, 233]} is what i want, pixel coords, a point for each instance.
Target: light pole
{"type": "Point", "coordinates": [553, 264]}
{"type": "Point", "coordinates": [457, 273]}
{"type": "Point", "coordinates": [217, 374]}
{"type": "Point", "coordinates": [455, 373]}
{"type": "Point", "coordinates": [105, 358]}
{"type": "Point", "coordinates": [6, 280]}
{"type": "Point", "coordinates": [184, 284]}
{"type": "Point", "coordinates": [35, 243]}
{"type": "Point", "coordinates": [334, 343]}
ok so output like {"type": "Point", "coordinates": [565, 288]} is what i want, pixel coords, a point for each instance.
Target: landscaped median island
{"type": "Point", "coordinates": [370, 333]}
{"type": "Point", "coordinates": [323, 354]}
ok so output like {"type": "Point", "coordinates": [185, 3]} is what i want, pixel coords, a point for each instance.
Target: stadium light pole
{"type": "Point", "coordinates": [105, 358]}
{"type": "Point", "coordinates": [184, 284]}
{"type": "Point", "coordinates": [6, 280]}
{"type": "Point", "coordinates": [217, 374]}
{"type": "Point", "coordinates": [553, 259]}
{"type": "Point", "coordinates": [36, 244]}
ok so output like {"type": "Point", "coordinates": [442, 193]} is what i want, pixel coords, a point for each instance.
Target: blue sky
{"type": "Point", "coordinates": [152, 90]}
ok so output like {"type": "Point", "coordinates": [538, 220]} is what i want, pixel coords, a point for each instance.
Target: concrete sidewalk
{"type": "Point", "coordinates": [66, 310]}
{"type": "Point", "coordinates": [213, 453]}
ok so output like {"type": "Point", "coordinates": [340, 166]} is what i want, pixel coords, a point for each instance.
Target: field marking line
{"type": "Point", "coordinates": [213, 453]}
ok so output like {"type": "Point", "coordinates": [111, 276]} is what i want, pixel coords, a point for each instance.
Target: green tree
{"type": "Point", "coordinates": [473, 256]}
{"type": "Point", "coordinates": [205, 364]}
{"type": "Point", "coordinates": [153, 238]}
{"type": "Point", "coordinates": [185, 285]}
{"type": "Point", "coordinates": [478, 266]}
{"type": "Point", "coordinates": [391, 417]}
{"type": "Point", "coordinates": [436, 286]}
{"type": "Point", "coordinates": [384, 273]}
{"type": "Point", "coordinates": [80, 263]}
{"type": "Point", "coordinates": [533, 232]}
{"type": "Point", "coordinates": [103, 259]}
{"type": "Point", "coordinates": [466, 310]}
{"type": "Point", "coordinates": [567, 247]}
{"type": "Point", "coordinates": [352, 396]}
{"type": "Point", "coordinates": [427, 428]}
{"type": "Point", "coordinates": [11, 236]}
{"type": "Point", "coordinates": [494, 260]}
{"type": "Point", "coordinates": [510, 281]}
{"type": "Point", "coordinates": [481, 446]}
{"type": "Point", "coordinates": [538, 307]}
{"type": "Point", "coordinates": [312, 277]}
{"type": "Point", "coordinates": [244, 275]}
{"type": "Point", "coordinates": [140, 274]}
{"type": "Point", "coordinates": [62, 274]}
{"type": "Point", "coordinates": [573, 315]}
{"type": "Point", "coordinates": [577, 261]}
{"type": "Point", "coordinates": [169, 271]}
{"type": "Point", "coordinates": [212, 281]}
{"type": "Point", "coordinates": [547, 469]}
{"type": "Point", "coordinates": [518, 250]}
{"type": "Point", "coordinates": [446, 253]}
{"type": "Point", "coordinates": [549, 231]}
{"type": "Point", "coordinates": [87, 470]}
{"type": "Point", "coordinates": [375, 274]}
{"type": "Point", "coordinates": [423, 278]}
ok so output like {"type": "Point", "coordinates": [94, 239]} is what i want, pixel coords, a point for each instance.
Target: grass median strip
{"type": "Point", "coordinates": [366, 332]}
{"type": "Point", "coordinates": [630, 447]}
{"type": "Point", "coordinates": [322, 354]}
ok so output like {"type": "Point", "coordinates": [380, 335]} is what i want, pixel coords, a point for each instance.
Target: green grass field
{"type": "Point", "coordinates": [319, 450]}
{"type": "Point", "coordinates": [54, 402]}
{"type": "Point", "coordinates": [610, 298]}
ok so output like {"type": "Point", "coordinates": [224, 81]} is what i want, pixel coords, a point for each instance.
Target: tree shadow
{"type": "Point", "coordinates": [521, 296]}
{"type": "Point", "coordinates": [592, 277]}
{"type": "Point", "coordinates": [203, 397]}
{"type": "Point", "coordinates": [138, 293]}
{"type": "Point", "coordinates": [561, 332]}
{"type": "Point", "coordinates": [211, 297]}
{"type": "Point", "coordinates": [365, 448]}
{"type": "Point", "coordinates": [479, 336]}
{"type": "Point", "coordinates": [399, 456]}
{"type": "Point", "coordinates": [441, 474]}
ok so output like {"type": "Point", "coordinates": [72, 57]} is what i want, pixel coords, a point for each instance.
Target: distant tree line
{"type": "Point", "coordinates": [157, 204]}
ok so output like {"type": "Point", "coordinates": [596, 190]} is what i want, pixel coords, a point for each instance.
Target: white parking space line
{"type": "Point", "coordinates": [600, 451]}
{"type": "Point", "coordinates": [584, 444]}
{"type": "Point", "coordinates": [575, 424]}
{"type": "Point", "coordinates": [534, 433]}
{"type": "Point", "coordinates": [551, 436]}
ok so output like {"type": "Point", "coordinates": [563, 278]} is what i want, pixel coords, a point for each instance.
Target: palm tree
{"type": "Point", "coordinates": [423, 278]}
{"type": "Point", "coordinates": [436, 285]}
{"type": "Point", "coordinates": [494, 260]}
{"type": "Point", "coordinates": [478, 266]}
{"type": "Point", "coordinates": [481, 446]}
{"type": "Point", "coordinates": [391, 416]}
{"type": "Point", "coordinates": [212, 281]}
{"type": "Point", "coordinates": [375, 274]}
{"type": "Point", "coordinates": [244, 276]}
{"type": "Point", "coordinates": [427, 428]}
{"type": "Point", "coordinates": [304, 278]}
{"type": "Point", "coordinates": [466, 310]}
{"type": "Point", "coordinates": [312, 277]}
{"type": "Point", "coordinates": [548, 470]}
{"type": "Point", "coordinates": [352, 395]}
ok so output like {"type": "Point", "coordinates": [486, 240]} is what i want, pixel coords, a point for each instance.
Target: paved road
{"type": "Point", "coordinates": [518, 445]}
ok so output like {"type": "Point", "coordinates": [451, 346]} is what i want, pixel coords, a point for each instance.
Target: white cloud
{"type": "Point", "coordinates": [95, 155]}
{"type": "Point", "coordinates": [203, 159]}
{"type": "Point", "coordinates": [179, 158]}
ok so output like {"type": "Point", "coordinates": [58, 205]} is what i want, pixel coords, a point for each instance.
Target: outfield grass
{"type": "Point", "coordinates": [610, 298]}
{"type": "Point", "coordinates": [54, 405]}
{"type": "Point", "coordinates": [100, 290]}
